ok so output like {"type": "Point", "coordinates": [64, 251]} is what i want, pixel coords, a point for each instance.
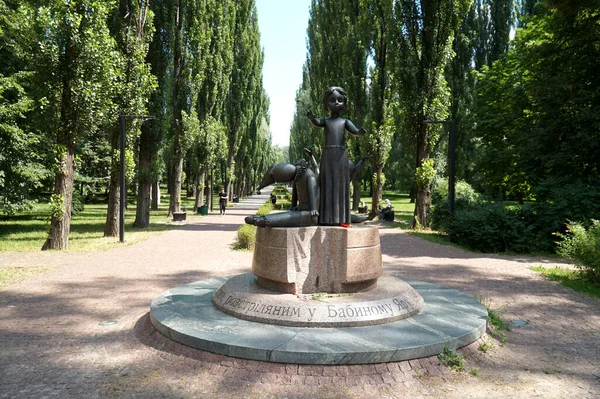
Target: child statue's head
{"type": "Point", "coordinates": [334, 91]}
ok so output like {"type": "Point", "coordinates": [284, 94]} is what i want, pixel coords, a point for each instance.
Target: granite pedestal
{"type": "Point", "coordinates": [312, 259]}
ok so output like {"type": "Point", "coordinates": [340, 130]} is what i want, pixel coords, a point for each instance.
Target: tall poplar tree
{"type": "Point", "coordinates": [424, 35]}
{"type": "Point", "coordinates": [160, 59]}
{"type": "Point", "coordinates": [191, 44]}
{"type": "Point", "coordinates": [132, 28]}
{"type": "Point", "coordinates": [245, 83]}
{"type": "Point", "coordinates": [210, 147]}
{"type": "Point", "coordinates": [338, 36]}
{"type": "Point", "coordinates": [379, 140]}
{"type": "Point", "coordinates": [75, 64]}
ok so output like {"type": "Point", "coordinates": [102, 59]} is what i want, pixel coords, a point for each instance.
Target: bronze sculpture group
{"type": "Point", "coordinates": [320, 196]}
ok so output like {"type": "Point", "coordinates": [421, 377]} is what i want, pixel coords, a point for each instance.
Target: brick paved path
{"type": "Point", "coordinates": [53, 346]}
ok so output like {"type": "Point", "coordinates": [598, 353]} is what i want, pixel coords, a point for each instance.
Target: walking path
{"type": "Point", "coordinates": [52, 343]}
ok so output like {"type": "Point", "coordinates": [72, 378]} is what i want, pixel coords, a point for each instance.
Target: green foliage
{"type": "Point", "coordinates": [57, 206]}
{"type": "Point", "coordinates": [425, 173]}
{"type": "Point", "coordinates": [492, 227]}
{"type": "Point", "coordinates": [465, 197]}
{"type": "Point", "coordinates": [496, 324]}
{"type": "Point", "coordinates": [574, 279]}
{"type": "Point", "coordinates": [264, 209]}
{"type": "Point", "coordinates": [531, 227]}
{"type": "Point", "coordinates": [485, 345]}
{"type": "Point", "coordinates": [245, 237]}
{"type": "Point", "coordinates": [20, 167]}
{"type": "Point", "coordinates": [538, 107]}
{"type": "Point", "coordinates": [450, 358]}
{"type": "Point", "coordinates": [582, 246]}
{"type": "Point", "coordinates": [462, 191]}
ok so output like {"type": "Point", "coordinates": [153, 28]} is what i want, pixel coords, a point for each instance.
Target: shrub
{"type": "Point", "coordinates": [522, 228]}
{"type": "Point", "coordinates": [492, 227]}
{"type": "Point", "coordinates": [245, 237]}
{"type": "Point", "coordinates": [463, 191]}
{"type": "Point", "coordinates": [264, 209]}
{"type": "Point", "coordinates": [465, 196]}
{"type": "Point", "coordinates": [557, 204]}
{"type": "Point", "coordinates": [583, 247]}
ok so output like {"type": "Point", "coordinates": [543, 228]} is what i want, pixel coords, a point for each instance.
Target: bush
{"type": "Point", "coordinates": [462, 191]}
{"type": "Point", "coordinates": [465, 196]}
{"type": "Point", "coordinates": [557, 204]}
{"type": "Point", "coordinates": [264, 209]}
{"type": "Point", "coordinates": [530, 227]}
{"type": "Point", "coordinates": [583, 247]}
{"type": "Point", "coordinates": [245, 237]}
{"type": "Point", "coordinates": [490, 227]}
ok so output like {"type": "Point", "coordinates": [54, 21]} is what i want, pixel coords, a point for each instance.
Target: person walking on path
{"type": "Point", "coordinates": [273, 200]}
{"type": "Point", "coordinates": [222, 201]}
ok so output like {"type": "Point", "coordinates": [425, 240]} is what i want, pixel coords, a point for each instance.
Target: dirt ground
{"type": "Point", "coordinates": [53, 344]}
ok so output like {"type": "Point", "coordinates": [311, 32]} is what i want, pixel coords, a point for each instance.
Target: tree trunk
{"type": "Point", "coordinates": [200, 189]}
{"type": "Point", "coordinates": [377, 192]}
{"type": "Point", "coordinates": [175, 200]}
{"type": "Point", "coordinates": [60, 223]}
{"type": "Point", "coordinates": [155, 195]}
{"type": "Point", "coordinates": [423, 192]}
{"type": "Point", "coordinates": [422, 205]}
{"type": "Point", "coordinates": [211, 189]}
{"type": "Point", "coordinates": [142, 211]}
{"type": "Point", "coordinates": [355, 194]}
{"type": "Point", "coordinates": [111, 228]}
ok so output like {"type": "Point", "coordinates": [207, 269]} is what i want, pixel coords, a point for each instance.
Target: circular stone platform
{"type": "Point", "coordinates": [449, 319]}
{"type": "Point", "coordinates": [391, 300]}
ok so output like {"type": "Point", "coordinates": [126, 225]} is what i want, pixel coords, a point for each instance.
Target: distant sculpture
{"type": "Point", "coordinates": [334, 181]}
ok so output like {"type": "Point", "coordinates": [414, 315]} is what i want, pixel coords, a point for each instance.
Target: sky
{"type": "Point", "coordinates": [282, 26]}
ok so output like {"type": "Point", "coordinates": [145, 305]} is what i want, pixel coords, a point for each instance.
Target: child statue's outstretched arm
{"type": "Point", "coordinates": [313, 119]}
{"type": "Point", "coordinates": [353, 129]}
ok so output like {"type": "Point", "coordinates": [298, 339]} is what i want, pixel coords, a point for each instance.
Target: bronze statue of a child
{"type": "Point", "coordinates": [334, 178]}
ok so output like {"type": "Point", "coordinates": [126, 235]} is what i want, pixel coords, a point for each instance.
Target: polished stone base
{"type": "Point", "coordinates": [391, 300]}
{"type": "Point", "coordinates": [449, 319]}
{"type": "Point", "coordinates": [306, 260]}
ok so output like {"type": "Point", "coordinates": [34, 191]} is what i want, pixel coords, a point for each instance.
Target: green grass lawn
{"type": "Point", "coordinates": [27, 232]}
{"type": "Point", "coordinates": [403, 209]}
{"type": "Point", "coordinates": [403, 216]}
{"type": "Point", "coordinates": [569, 278]}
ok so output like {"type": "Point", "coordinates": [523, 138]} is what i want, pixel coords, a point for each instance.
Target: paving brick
{"type": "Point", "coordinates": [387, 378]}
{"type": "Point", "coordinates": [399, 376]}
{"type": "Point", "coordinates": [298, 379]}
{"type": "Point", "coordinates": [405, 366]}
{"type": "Point", "coordinates": [326, 381]}
{"type": "Point", "coordinates": [414, 364]}
{"type": "Point", "coordinates": [368, 369]}
{"type": "Point", "coordinates": [291, 369]}
{"type": "Point", "coordinates": [381, 368]}
{"type": "Point", "coordinates": [411, 383]}
{"type": "Point", "coordinates": [355, 369]}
